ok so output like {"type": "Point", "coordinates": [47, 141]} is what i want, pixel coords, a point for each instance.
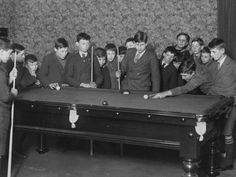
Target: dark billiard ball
{"type": "Point", "coordinates": [105, 103]}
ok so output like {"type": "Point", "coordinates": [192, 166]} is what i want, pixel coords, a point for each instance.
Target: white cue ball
{"type": "Point", "coordinates": [58, 88]}
{"type": "Point", "coordinates": [145, 96]}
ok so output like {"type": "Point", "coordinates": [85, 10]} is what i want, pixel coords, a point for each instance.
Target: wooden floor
{"type": "Point", "coordinates": [71, 158]}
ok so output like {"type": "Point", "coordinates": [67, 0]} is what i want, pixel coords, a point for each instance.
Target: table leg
{"type": "Point", "coordinates": [41, 144]}
{"type": "Point", "coordinates": [121, 149]}
{"type": "Point", "coordinates": [190, 167]}
{"type": "Point", "coordinates": [211, 170]}
{"type": "Point", "coordinates": [91, 147]}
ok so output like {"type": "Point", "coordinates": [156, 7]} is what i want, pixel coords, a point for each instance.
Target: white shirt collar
{"type": "Point", "coordinates": [164, 64]}
{"type": "Point", "coordinates": [83, 53]}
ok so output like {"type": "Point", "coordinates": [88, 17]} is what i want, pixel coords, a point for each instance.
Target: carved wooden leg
{"type": "Point", "coordinates": [41, 144]}
{"type": "Point", "coordinates": [190, 167]}
{"type": "Point", "coordinates": [211, 170]}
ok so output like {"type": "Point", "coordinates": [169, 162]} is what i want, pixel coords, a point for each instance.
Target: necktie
{"type": "Point", "coordinates": [83, 55]}
{"type": "Point", "coordinates": [137, 57]}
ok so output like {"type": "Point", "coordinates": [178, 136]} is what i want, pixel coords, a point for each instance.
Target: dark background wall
{"type": "Point", "coordinates": [227, 25]}
{"type": "Point", "coordinates": [37, 23]}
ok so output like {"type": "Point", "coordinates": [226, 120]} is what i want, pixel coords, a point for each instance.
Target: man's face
{"type": "Point", "coordinates": [83, 45]}
{"type": "Point", "coordinates": [182, 41]}
{"type": "Point", "coordinates": [130, 44]}
{"type": "Point", "coordinates": [205, 58]}
{"type": "Point", "coordinates": [187, 76]}
{"type": "Point", "coordinates": [217, 53]}
{"type": "Point", "coordinates": [32, 65]}
{"type": "Point", "coordinates": [5, 55]}
{"type": "Point", "coordinates": [168, 57]}
{"type": "Point", "coordinates": [20, 56]}
{"type": "Point", "coordinates": [140, 46]}
{"type": "Point", "coordinates": [110, 55]}
{"type": "Point", "coordinates": [196, 47]}
{"type": "Point", "coordinates": [101, 61]}
{"type": "Point", "coordinates": [61, 52]}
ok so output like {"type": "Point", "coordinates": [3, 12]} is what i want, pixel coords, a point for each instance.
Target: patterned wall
{"type": "Point", "coordinates": [37, 23]}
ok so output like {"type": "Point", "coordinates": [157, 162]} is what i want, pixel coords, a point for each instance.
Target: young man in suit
{"type": "Point", "coordinates": [55, 65]}
{"type": "Point", "coordinates": [140, 67]}
{"type": "Point", "coordinates": [79, 71]}
{"type": "Point", "coordinates": [169, 77]}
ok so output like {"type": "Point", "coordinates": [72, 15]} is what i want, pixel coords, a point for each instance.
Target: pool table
{"type": "Point", "coordinates": [185, 122]}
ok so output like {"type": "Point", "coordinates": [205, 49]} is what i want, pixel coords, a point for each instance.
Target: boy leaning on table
{"type": "Point", "coordinates": [223, 82]}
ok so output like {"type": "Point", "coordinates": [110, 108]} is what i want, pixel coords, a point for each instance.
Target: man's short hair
{"type": "Point", "coordinates": [122, 50]}
{"type": "Point", "coordinates": [171, 49]}
{"type": "Point", "coordinates": [198, 40]}
{"type": "Point", "coordinates": [140, 36]}
{"type": "Point", "coordinates": [217, 43]}
{"type": "Point", "coordinates": [184, 34]}
{"type": "Point", "coordinates": [100, 52]}
{"type": "Point", "coordinates": [206, 50]}
{"type": "Point", "coordinates": [30, 57]}
{"type": "Point", "coordinates": [83, 36]}
{"type": "Point", "coordinates": [17, 47]}
{"type": "Point", "coordinates": [61, 43]}
{"type": "Point", "coordinates": [130, 39]}
{"type": "Point", "coordinates": [111, 46]}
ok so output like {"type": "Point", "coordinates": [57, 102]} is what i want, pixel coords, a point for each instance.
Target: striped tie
{"type": "Point", "coordinates": [137, 57]}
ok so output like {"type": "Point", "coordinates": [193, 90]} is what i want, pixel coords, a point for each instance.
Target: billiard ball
{"type": "Point", "coordinates": [58, 88]}
{"type": "Point", "coordinates": [145, 96]}
{"type": "Point", "coordinates": [126, 92]}
{"type": "Point", "coordinates": [105, 103]}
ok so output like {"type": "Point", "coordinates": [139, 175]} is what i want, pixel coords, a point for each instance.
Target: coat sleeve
{"type": "Point", "coordinates": [20, 72]}
{"type": "Point", "coordinates": [5, 95]}
{"type": "Point", "coordinates": [98, 78]}
{"type": "Point", "coordinates": [107, 79]}
{"type": "Point", "coordinates": [173, 78]}
{"type": "Point", "coordinates": [69, 75]}
{"type": "Point", "coordinates": [155, 73]}
{"type": "Point", "coordinates": [27, 80]}
{"type": "Point", "coordinates": [195, 82]}
{"type": "Point", "coordinates": [43, 72]}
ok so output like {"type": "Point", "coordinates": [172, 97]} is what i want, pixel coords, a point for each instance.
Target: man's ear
{"type": "Point", "coordinates": [223, 50]}
{"type": "Point", "coordinates": [55, 49]}
{"type": "Point", "coordinates": [76, 44]}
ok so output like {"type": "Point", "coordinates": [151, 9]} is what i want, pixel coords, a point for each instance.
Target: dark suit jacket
{"type": "Point", "coordinates": [79, 71]}
{"type": "Point", "coordinates": [52, 71]}
{"type": "Point", "coordinates": [143, 75]}
{"type": "Point", "coordinates": [27, 79]}
{"type": "Point", "coordinates": [169, 77]}
{"type": "Point", "coordinates": [106, 84]}
{"type": "Point", "coordinates": [19, 66]}
{"type": "Point", "coordinates": [5, 98]}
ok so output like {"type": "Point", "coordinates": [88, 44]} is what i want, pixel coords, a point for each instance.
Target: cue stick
{"type": "Point", "coordinates": [91, 64]}
{"type": "Point", "coordinates": [118, 67]}
{"type": "Point", "coordinates": [11, 128]}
